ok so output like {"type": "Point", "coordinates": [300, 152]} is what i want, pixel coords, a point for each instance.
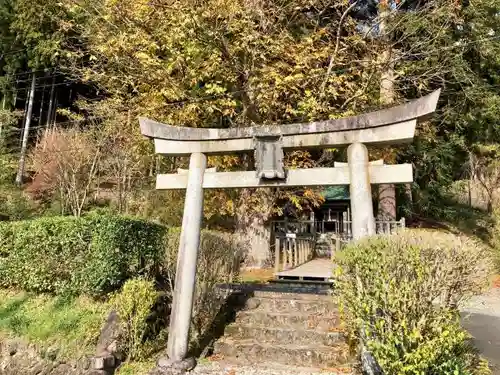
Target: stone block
{"type": "Point", "coordinates": [84, 363]}
{"type": "Point", "coordinates": [108, 339]}
{"type": "Point", "coordinates": [103, 363]}
{"type": "Point", "coordinates": [284, 335]}
{"type": "Point", "coordinates": [165, 366]}
{"type": "Point", "coordinates": [282, 305]}
{"type": "Point", "coordinates": [292, 321]}
{"type": "Point", "coordinates": [251, 352]}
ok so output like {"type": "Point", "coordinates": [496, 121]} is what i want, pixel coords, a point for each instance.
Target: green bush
{"type": "Point", "coordinates": [399, 295]}
{"type": "Point", "coordinates": [133, 306]}
{"type": "Point", "coordinates": [92, 255]}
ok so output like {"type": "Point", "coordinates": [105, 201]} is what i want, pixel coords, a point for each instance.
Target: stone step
{"type": "Point", "coordinates": [284, 335]}
{"type": "Point", "coordinates": [249, 351]}
{"type": "Point", "coordinates": [292, 305]}
{"type": "Point", "coordinates": [299, 321]}
{"type": "Point", "coordinates": [222, 367]}
{"type": "Point", "coordinates": [293, 295]}
{"type": "Point", "coordinates": [308, 289]}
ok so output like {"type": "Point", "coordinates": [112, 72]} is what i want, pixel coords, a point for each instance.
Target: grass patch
{"type": "Point", "coordinates": [136, 368]}
{"type": "Point", "coordinates": [71, 325]}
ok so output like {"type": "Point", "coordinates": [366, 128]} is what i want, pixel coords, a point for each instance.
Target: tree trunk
{"type": "Point", "coordinates": [1, 124]}
{"type": "Point", "coordinates": [252, 227]}
{"type": "Point", "coordinates": [253, 230]}
{"type": "Point", "coordinates": [24, 146]}
{"type": "Point", "coordinates": [387, 202]}
{"type": "Point", "coordinates": [26, 103]}
{"type": "Point", "coordinates": [387, 192]}
{"type": "Point", "coordinates": [51, 103]}
{"type": "Point", "coordinates": [40, 115]}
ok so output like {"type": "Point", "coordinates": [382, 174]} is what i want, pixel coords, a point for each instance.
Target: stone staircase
{"type": "Point", "coordinates": [288, 324]}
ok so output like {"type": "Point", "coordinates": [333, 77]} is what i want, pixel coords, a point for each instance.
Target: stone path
{"type": "Point", "coordinates": [221, 368]}
{"type": "Point", "coordinates": [281, 329]}
{"type": "Point", "coordinates": [481, 317]}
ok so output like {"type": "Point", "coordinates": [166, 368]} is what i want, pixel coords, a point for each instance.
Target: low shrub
{"type": "Point", "coordinates": [218, 263]}
{"type": "Point", "coordinates": [89, 255]}
{"type": "Point", "coordinates": [14, 204]}
{"type": "Point", "coordinates": [399, 295]}
{"type": "Point", "coordinates": [133, 306]}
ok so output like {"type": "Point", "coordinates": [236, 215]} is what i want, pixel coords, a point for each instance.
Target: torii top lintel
{"type": "Point", "coordinates": [388, 126]}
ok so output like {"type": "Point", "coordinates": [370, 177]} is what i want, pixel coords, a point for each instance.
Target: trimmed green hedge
{"type": "Point", "coordinates": [399, 297]}
{"type": "Point", "coordinates": [93, 255]}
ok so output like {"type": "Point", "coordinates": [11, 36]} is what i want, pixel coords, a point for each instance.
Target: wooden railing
{"type": "Point", "coordinates": [342, 226]}
{"type": "Point", "coordinates": [294, 249]}
{"type": "Point", "coordinates": [381, 227]}
{"type": "Point", "coordinates": [291, 251]}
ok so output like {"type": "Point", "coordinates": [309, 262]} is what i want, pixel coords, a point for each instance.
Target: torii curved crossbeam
{"type": "Point", "coordinates": [388, 126]}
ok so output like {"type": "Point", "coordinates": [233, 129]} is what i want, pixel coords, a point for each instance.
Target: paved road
{"type": "Point", "coordinates": [481, 317]}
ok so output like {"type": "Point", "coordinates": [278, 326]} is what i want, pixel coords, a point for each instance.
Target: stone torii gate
{"type": "Point", "coordinates": [385, 127]}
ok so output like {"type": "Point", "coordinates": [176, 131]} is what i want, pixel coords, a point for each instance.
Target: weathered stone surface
{"type": "Point", "coordinates": [166, 366]}
{"type": "Point", "coordinates": [319, 292]}
{"type": "Point", "coordinates": [284, 335]}
{"type": "Point", "coordinates": [386, 202]}
{"type": "Point", "coordinates": [289, 290]}
{"type": "Point", "coordinates": [417, 109]}
{"type": "Point", "coordinates": [109, 338]}
{"type": "Point", "coordinates": [269, 158]}
{"type": "Point", "coordinates": [224, 368]}
{"type": "Point", "coordinates": [363, 221]}
{"type": "Point", "coordinates": [324, 246]}
{"type": "Point", "coordinates": [252, 303]}
{"type": "Point", "coordinates": [104, 362]}
{"type": "Point", "coordinates": [182, 304]}
{"type": "Point", "coordinates": [292, 321]}
{"type": "Point", "coordinates": [398, 173]}
{"type": "Point", "coordinates": [20, 358]}
{"type": "Point", "coordinates": [281, 325]}
{"type": "Point", "coordinates": [285, 305]}
{"type": "Point", "coordinates": [398, 133]}
{"type": "Point", "coordinates": [250, 351]}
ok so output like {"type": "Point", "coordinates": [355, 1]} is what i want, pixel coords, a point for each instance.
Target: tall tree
{"type": "Point", "coordinates": [26, 131]}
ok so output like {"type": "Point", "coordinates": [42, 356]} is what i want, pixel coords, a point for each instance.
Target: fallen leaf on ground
{"type": "Point", "coordinates": [496, 281]}
{"type": "Point", "coordinates": [340, 370]}
{"type": "Point", "coordinates": [215, 357]}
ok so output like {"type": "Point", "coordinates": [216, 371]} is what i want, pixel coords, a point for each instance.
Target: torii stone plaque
{"type": "Point", "coordinates": [385, 127]}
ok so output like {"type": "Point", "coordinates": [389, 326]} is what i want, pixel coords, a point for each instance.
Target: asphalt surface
{"type": "Point", "coordinates": [481, 317]}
